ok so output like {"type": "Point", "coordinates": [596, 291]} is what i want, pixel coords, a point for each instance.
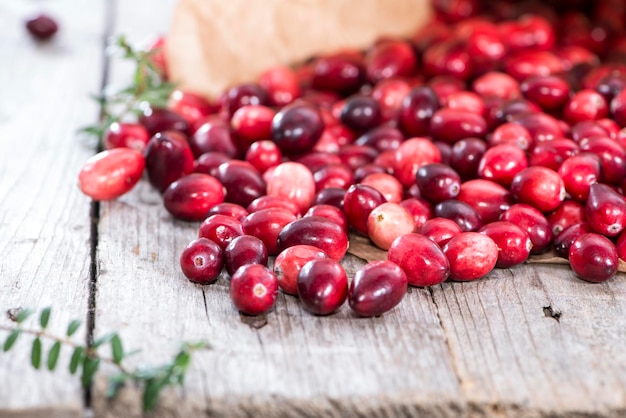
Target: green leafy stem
{"type": "Point", "coordinates": [86, 359]}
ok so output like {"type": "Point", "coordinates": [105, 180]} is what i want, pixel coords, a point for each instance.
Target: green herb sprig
{"type": "Point", "coordinates": [87, 359]}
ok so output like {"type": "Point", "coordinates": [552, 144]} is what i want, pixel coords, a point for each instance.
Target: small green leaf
{"type": "Point", "coordinates": [151, 393]}
{"type": "Point", "coordinates": [117, 351]}
{"type": "Point", "coordinates": [53, 355]}
{"type": "Point", "coordinates": [72, 327]}
{"type": "Point", "coordinates": [182, 360]}
{"type": "Point", "coordinates": [35, 354]}
{"type": "Point", "coordinates": [77, 357]}
{"type": "Point", "coordinates": [44, 318]}
{"type": "Point", "coordinates": [103, 340]}
{"type": "Point", "coordinates": [8, 343]}
{"type": "Point", "coordinates": [115, 384]}
{"type": "Point", "coordinates": [22, 315]}
{"type": "Point", "coordinates": [90, 368]}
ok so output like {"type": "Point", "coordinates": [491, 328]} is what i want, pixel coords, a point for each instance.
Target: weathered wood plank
{"type": "Point", "coordinates": [44, 219]}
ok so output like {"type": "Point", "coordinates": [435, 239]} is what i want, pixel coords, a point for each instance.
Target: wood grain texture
{"type": "Point", "coordinates": [44, 219]}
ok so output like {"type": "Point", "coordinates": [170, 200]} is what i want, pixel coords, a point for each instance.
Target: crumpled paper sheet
{"type": "Point", "coordinates": [214, 44]}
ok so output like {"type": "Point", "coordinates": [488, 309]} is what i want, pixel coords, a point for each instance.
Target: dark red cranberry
{"type": "Point", "coordinates": [290, 261]}
{"type": "Point", "coordinates": [42, 27]}
{"type": "Point", "coordinates": [157, 120]}
{"type": "Point", "coordinates": [266, 224]}
{"type": "Point", "coordinates": [377, 288]}
{"type": "Point", "coordinates": [208, 162]}
{"type": "Point", "coordinates": [330, 196]}
{"type": "Point", "coordinates": [358, 202]}
{"type": "Point", "coordinates": [361, 113]}
{"type": "Point", "coordinates": [541, 126]}
{"type": "Point", "coordinates": [383, 138]}
{"type": "Point", "coordinates": [612, 156]}
{"type": "Point", "coordinates": [356, 156]}
{"type": "Point", "coordinates": [466, 155]}
{"type": "Point", "coordinates": [438, 182]}
{"type": "Point", "coordinates": [244, 250]}
{"type": "Point", "coordinates": [513, 243]}
{"type": "Point", "coordinates": [540, 187]}
{"type": "Point", "coordinates": [610, 85]}
{"type": "Point", "coordinates": [460, 212]}
{"type": "Point", "coordinates": [318, 232]}
{"type": "Point", "coordinates": [243, 183]}
{"type": "Point", "coordinates": [506, 111]}
{"type": "Point", "coordinates": [416, 110]}
{"type": "Point", "coordinates": [471, 256]}
{"type": "Point", "coordinates": [296, 128]}
{"type": "Point", "coordinates": [233, 210]}
{"type": "Point", "coordinates": [450, 125]}
{"type": "Point", "coordinates": [253, 289]}
{"type": "Point", "coordinates": [201, 261]}
{"type": "Point", "coordinates": [422, 260]}
{"type": "Point", "coordinates": [168, 158]}
{"type": "Point", "coordinates": [593, 257]}
{"type": "Point", "coordinates": [322, 286]}
{"type": "Point", "coordinates": [605, 210]}
{"type": "Point", "coordinates": [126, 135]}
{"type": "Point", "coordinates": [341, 73]}
{"type": "Point", "coordinates": [487, 198]}
{"type": "Point", "coordinates": [213, 135]}
{"type": "Point", "coordinates": [564, 240]}
{"type": "Point", "coordinates": [242, 95]}
{"type": "Point", "coordinates": [192, 196]}
{"type": "Point", "coordinates": [533, 222]}
{"type": "Point", "coordinates": [388, 59]}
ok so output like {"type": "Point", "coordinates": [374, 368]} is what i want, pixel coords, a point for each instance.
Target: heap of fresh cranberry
{"type": "Point", "coordinates": [496, 132]}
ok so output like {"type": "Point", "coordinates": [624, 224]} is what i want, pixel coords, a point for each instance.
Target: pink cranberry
{"type": "Point", "coordinates": [316, 231]}
{"type": "Point", "coordinates": [497, 84]}
{"type": "Point", "coordinates": [533, 222]}
{"type": "Point", "coordinates": [419, 209]}
{"type": "Point", "coordinates": [266, 202]}
{"type": "Point", "coordinates": [358, 202]}
{"type": "Point", "coordinates": [253, 289]}
{"type": "Point", "coordinates": [377, 288]}
{"type": "Point", "coordinates": [501, 163]}
{"type": "Point", "coordinates": [451, 125]}
{"type": "Point", "coordinates": [157, 120]}
{"type": "Point", "coordinates": [244, 250]}
{"type": "Point", "coordinates": [585, 105]}
{"type": "Point", "coordinates": [471, 255]}
{"type": "Point", "coordinates": [297, 127]}
{"type": "Point", "coordinates": [593, 258]}
{"type": "Point", "coordinates": [387, 222]}
{"type": "Point", "coordinates": [292, 181]}
{"type": "Point", "coordinates": [440, 230]}
{"type": "Point", "coordinates": [213, 135]}
{"type": "Point", "coordinates": [192, 196]}
{"type": "Point", "coordinates": [243, 183]}
{"type": "Point", "coordinates": [513, 243]}
{"type": "Point", "coordinates": [266, 224]}
{"type": "Point", "coordinates": [126, 135]}
{"type": "Point", "coordinates": [201, 261]}
{"type": "Point", "coordinates": [419, 105]}
{"type": "Point", "coordinates": [564, 241]}
{"type": "Point", "coordinates": [281, 84]}
{"type": "Point", "coordinates": [487, 198]}
{"type": "Point", "coordinates": [411, 155]}
{"type": "Point", "coordinates": [322, 286]}
{"type": "Point", "coordinates": [466, 155]}
{"type": "Point", "coordinates": [168, 158]}
{"type": "Point", "coordinates": [540, 187]}
{"type": "Point", "coordinates": [422, 260]}
{"type": "Point", "coordinates": [341, 73]}
{"type": "Point", "coordinates": [233, 210]}
{"type": "Point", "coordinates": [389, 186]}
{"type": "Point", "coordinates": [438, 182]}
{"type": "Point", "coordinates": [568, 213]}
{"type": "Point", "coordinates": [605, 210]}
{"type": "Point", "coordinates": [579, 172]}
{"type": "Point", "coordinates": [290, 261]}
{"type": "Point", "coordinates": [42, 27]}
{"type": "Point", "coordinates": [192, 107]}
{"type": "Point", "coordinates": [388, 59]}
{"type": "Point", "coordinates": [156, 49]}
{"type": "Point", "coordinates": [551, 92]}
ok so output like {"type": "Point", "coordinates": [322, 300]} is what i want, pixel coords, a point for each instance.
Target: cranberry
{"type": "Point", "coordinates": [292, 181]}
{"type": "Point", "coordinates": [243, 183]}
{"type": "Point", "coordinates": [42, 27]}
{"type": "Point", "coordinates": [551, 92]}
{"type": "Point", "coordinates": [513, 243]}
{"type": "Point", "coordinates": [485, 46]}
{"type": "Point", "coordinates": [501, 163]}
{"type": "Point", "coordinates": [213, 135]}
{"type": "Point", "coordinates": [422, 260]}
{"type": "Point", "coordinates": [466, 155]}
{"type": "Point", "coordinates": [192, 196]}
{"type": "Point", "coordinates": [357, 155]}
{"type": "Point", "coordinates": [579, 172]}
{"type": "Point", "coordinates": [450, 57]}
{"type": "Point", "coordinates": [244, 250]}
{"type": "Point", "coordinates": [192, 107]}
{"type": "Point", "coordinates": [201, 261]}
{"type": "Point", "coordinates": [297, 127]}
{"type": "Point", "coordinates": [440, 230]}
{"type": "Point", "coordinates": [263, 155]}
{"type": "Point", "coordinates": [389, 93]}
{"type": "Point", "coordinates": [419, 209]}
{"type": "Point", "coordinates": [383, 138]}
{"type": "Point", "coordinates": [322, 286]}
{"type": "Point", "coordinates": [253, 289]}
{"type": "Point", "coordinates": [471, 255]}
{"type": "Point", "coordinates": [506, 111]}
{"type": "Point", "coordinates": [168, 158]}
{"type": "Point", "coordinates": [487, 198]}
{"type": "Point", "coordinates": [233, 210]}
{"type": "Point", "coordinates": [416, 110]}
{"type": "Point", "coordinates": [361, 113]}
{"type": "Point", "coordinates": [266, 224]}
{"type": "Point", "coordinates": [411, 155]}
{"type": "Point", "coordinates": [551, 154]}
{"type": "Point", "coordinates": [358, 202]}
{"type": "Point", "coordinates": [540, 187]}
{"type": "Point", "coordinates": [605, 210]}
{"type": "Point", "coordinates": [453, 11]}
{"type": "Point", "coordinates": [445, 150]}
{"type": "Point", "coordinates": [281, 84]}
{"type": "Point", "coordinates": [530, 33]}
{"type": "Point", "coordinates": [290, 261]}
{"type": "Point", "coordinates": [460, 212]}
{"type": "Point", "coordinates": [569, 212]}
{"type": "Point", "coordinates": [612, 155]}
{"type": "Point", "coordinates": [316, 231]}
{"type": "Point", "coordinates": [330, 196]}
{"type": "Point", "coordinates": [110, 174]}
{"type": "Point", "coordinates": [438, 182]}
{"type": "Point", "coordinates": [563, 241]}
{"type": "Point", "coordinates": [333, 175]}
{"type": "Point", "coordinates": [242, 95]}
{"type": "Point", "coordinates": [316, 160]}
{"type": "Point", "coordinates": [252, 123]}
{"type": "Point", "coordinates": [341, 73]}
{"type": "Point", "coordinates": [386, 184]}
{"type": "Point", "coordinates": [387, 222]}
{"type": "Point", "coordinates": [533, 222]}
{"type": "Point", "coordinates": [540, 126]}
{"type": "Point", "coordinates": [157, 120]}
{"type": "Point", "coordinates": [585, 105]}
{"type": "Point", "coordinates": [265, 202]}
{"type": "Point", "coordinates": [377, 288]}
{"type": "Point", "coordinates": [330, 212]}
{"type": "Point", "coordinates": [126, 135]}
{"type": "Point", "coordinates": [389, 59]}
{"type": "Point", "coordinates": [209, 162]}
{"type": "Point", "coordinates": [593, 257]}
{"type": "Point", "coordinates": [497, 84]}
{"type": "Point", "coordinates": [533, 63]}
{"type": "Point", "coordinates": [221, 229]}
{"type": "Point", "coordinates": [620, 244]}
{"type": "Point", "coordinates": [610, 86]}
{"type": "Point", "coordinates": [514, 134]}
{"type": "Point", "coordinates": [451, 125]}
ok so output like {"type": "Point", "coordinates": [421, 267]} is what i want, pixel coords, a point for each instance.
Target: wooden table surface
{"type": "Point", "coordinates": [532, 341]}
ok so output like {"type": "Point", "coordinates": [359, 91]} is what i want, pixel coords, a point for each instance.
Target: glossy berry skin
{"type": "Point", "coordinates": [359, 200]}
{"type": "Point", "coordinates": [213, 135]}
{"type": "Point", "coordinates": [157, 120]}
{"type": "Point", "coordinates": [605, 210]}
{"type": "Point", "coordinates": [340, 73]}
{"type": "Point", "coordinates": [297, 127]}
{"type": "Point", "coordinates": [191, 197]}
{"type": "Point", "coordinates": [422, 260]}
{"type": "Point", "coordinates": [388, 185]}
{"type": "Point", "coordinates": [168, 158]}
{"type": "Point", "coordinates": [252, 123]}
{"type": "Point", "coordinates": [411, 155]}
{"type": "Point", "coordinates": [387, 222]}
{"type": "Point", "coordinates": [318, 232]}
{"type": "Point", "coordinates": [460, 212]}
{"type": "Point", "coordinates": [471, 255]}
{"type": "Point", "coordinates": [564, 241]}
{"type": "Point", "coordinates": [244, 250]}
{"type": "Point", "coordinates": [579, 172]}
{"type": "Point", "coordinates": [361, 113]}
{"type": "Point", "coordinates": [584, 105]}
{"type": "Point", "coordinates": [290, 261]}
{"type": "Point", "coordinates": [389, 59]}
{"type": "Point", "coordinates": [451, 125]}
{"type": "Point", "coordinates": [253, 289]}
{"type": "Point", "coordinates": [438, 182]}
{"type": "Point", "coordinates": [513, 243]}
{"type": "Point", "coordinates": [242, 95]}
{"type": "Point", "coordinates": [501, 163]}
{"type": "Point", "coordinates": [243, 183]}
{"type": "Point", "coordinates": [612, 156]}
{"type": "Point", "coordinates": [465, 156]}
{"type": "Point", "coordinates": [110, 174]}
{"type": "Point", "coordinates": [416, 110]}
{"type": "Point", "coordinates": [533, 222]}
{"type": "Point", "coordinates": [281, 84]}
{"type": "Point", "coordinates": [192, 107]}
{"type": "Point", "coordinates": [266, 224]}
{"type": "Point", "coordinates": [221, 229]}
{"type": "Point", "coordinates": [126, 135]}
{"type": "Point", "coordinates": [294, 182]}
{"type": "Point", "coordinates": [487, 198]}
{"type": "Point", "coordinates": [550, 92]}
{"type": "Point", "coordinates": [593, 258]}
{"type": "Point", "coordinates": [540, 187]}
{"type": "Point", "coordinates": [263, 155]}
{"type": "Point", "coordinates": [322, 286]}
{"type": "Point", "coordinates": [330, 212]}
{"type": "Point", "coordinates": [232, 210]}
{"type": "Point", "coordinates": [419, 209]}
{"type": "Point", "coordinates": [440, 230]}
{"type": "Point", "coordinates": [42, 27]}
{"type": "Point", "coordinates": [377, 288]}
{"type": "Point", "coordinates": [201, 261]}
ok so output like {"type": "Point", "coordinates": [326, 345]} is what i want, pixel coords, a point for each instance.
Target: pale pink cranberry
{"type": "Point", "coordinates": [471, 255]}
{"type": "Point", "coordinates": [389, 186]}
{"type": "Point", "coordinates": [585, 105]}
{"type": "Point", "coordinates": [293, 181]}
{"type": "Point", "coordinates": [411, 155]}
{"type": "Point", "coordinates": [422, 260]}
{"type": "Point", "coordinates": [513, 243]}
{"type": "Point", "coordinates": [540, 187]}
{"type": "Point", "coordinates": [281, 84]}
{"type": "Point", "coordinates": [497, 84]}
{"type": "Point", "coordinates": [253, 289]}
{"type": "Point", "coordinates": [501, 163]}
{"type": "Point", "coordinates": [487, 198]}
{"type": "Point", "coordinates": [440, 230]}
{"type": "Point", "coordinates": [593, 258]}
{"type": "Point", "coordinates": [290, 261]}
{"type": "Point", "coordinates": [387, 222]}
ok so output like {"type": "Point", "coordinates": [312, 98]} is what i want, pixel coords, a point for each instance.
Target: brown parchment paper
{"type": "Point", "coordinates": [213, 44]}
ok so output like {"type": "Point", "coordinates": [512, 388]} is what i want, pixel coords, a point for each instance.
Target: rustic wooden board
{"type": "Point", "coordinates": [44, 219]}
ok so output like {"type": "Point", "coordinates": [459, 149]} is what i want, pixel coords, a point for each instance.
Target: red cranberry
{"type": "Point", "coordinates": [467, 101]}
{"type": "Point", "coordinates": [252, 123]}
{"type": "Point", "coordinates": [387, 222]}
{"type": "Point", "coordinates": [361, 113]}
{"type": "Point", "coordinates": [569, 212]}
{"type": "Point", "coordinates": [358, 202]}
{"type": "Point", "coordinates": [501, 163]}
{"type": "Point", "coordinates": [541, 126]}
{"type": "Point", "coordinates": [620, 244]}
{"type": "Point", "coordinates": [242, 95]}
{"type": "Point", "coordinates": [316, 231]}
{"type": "Point", "coordinates": [281, 84]}
{"type": "Point", "coordinates": [513, 243]}
{"type": "Point", "coordinates": [330, 212]}
{"type": "Point", "coordinates": [514, 134]}
{"type": "Point", "coordinates": [383, 138]}
{"type": "Point", "coordinates": [540, 187]}
{"type": "Point", "coordinates": [389, 59]}
{"type": "Point", "coordinates": [263, 155]}
{"type": "Point", "coordinates": [110, 174]}
{"type": "Point", "coordinates": [377, 288]}
{"type": "Point", "coordinates": [551, 154]}
{"type": "Point", "coordinates": [253, 289]}
{"type": "Point", "coordinates": [451, 125]}
{"type": "Point", "coordinates": [551, 92]}
{"type": "Point", "coordinates": [331, 196]}
{"type": "Point", "coordinates": [411, 155]}
{"type": "Point", "coordinates": [389, 93]}
{"type": "Point", "coordinates": [487, 198]}
{"type": "Point", "coordinates": [192, 107]}
{"type": "Point", "coordinates": [585, 105]}
{"type": "Point", "coordinates": [266, 224]}
{"type": "Point", "coordinates": [292, 181]}
{"type": "Point", "coordinates": [450, 57]}
{"type": "Point", "coordinates": [530, 33]}
{"type": "Point", "coordinates": [244, 250]}
{"type": "Point", "coordinates": [213, 135]}
{"type": "Point", "coordinates": [233, 210]}
{"type": "Point", "coordinates": [466, 155]}
{"type": "Point", "coordinates": [533, 63]}
{"type": "Point", "coordinates": [453, 11]}
{"type": "Point", "coordinates": [440, 230]}
{"type": "Point", "coordinates": [533, 222]}
{"type": "Point", "coordinates": [593, 258]}
{"type": "Point", "coordinates": [322, 286]}
{"type": "Point", "coordinates": [341, 73]}
{"type": "Point", "coordinates": [460, 212]}
{"type": "Point", "coordinates": [438, 182]}
{"type": "Point", "coordinates": [333, 175]}
{"type": "Point", "coordinates": [192, 196]}
{"type": "Point", "coordinates": [579, 172]}
{"type": "Point", "coordinates": [221, 229]}
{"type": "Point", "coordinates": [610, 86]}
{"type": "Point", "coordinates": [157, 120]}
{"type": "Point", "coordinates": [126, 135]}
{"type": "Point", "coordinates": [296, 128]}
{"type": "Point", "coordinates": [357, 155]}
{"type": "Point", "coordinates": [168, 158]}
{"type": "Point", "coordinates": [563, 241]}
{"type": "Point", "coordinates": [243, 183]}
{"type": "Point", "coordinates": [209, 162]}
{"type": "Point", "coordinates": [419, 209]}
{"type": "Point", "coordinates": [471, 255]}
{"type": "Point", "coordinates": [416, 110]}
{"type": "Point", "coordinates": [316, 160]}
{"type": "Point", "coordinates": [485, 46]}
{"type": "Point", "coordinates": [265, 202]}
{"type": "Point", "coordinates": [386, 184]}
{"type": "Point", "coordinates": [42, 27]}
{"type": "Point", "coordinates": [422, 260]}
{"type": "Point", "coordinates": [612, 156]}
{"type": "Point", "coordinates": [201, 261]}
{"type": "Point", "coordinates": [290, 261]}
{"type": "Point", "coordinates": [497, 84]}
{"type": "Point", "coordinates": [605, 210]}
